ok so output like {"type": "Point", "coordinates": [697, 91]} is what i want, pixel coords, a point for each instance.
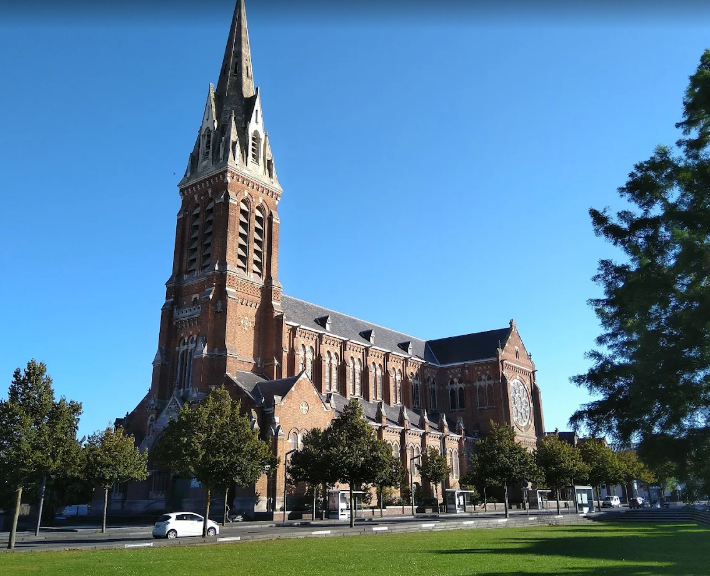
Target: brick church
{"type": "Point", "coordinates": [293, 364]}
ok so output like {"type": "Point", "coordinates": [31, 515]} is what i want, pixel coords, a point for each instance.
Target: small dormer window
{"type": "Point", "coordinates": [368, 335]}
{"type": "Point", "coordinates": [324, 321]}
{"type": "Point", "coordinates": [255, 147]}
{"type": "Point", "coordinates": [517, 353]}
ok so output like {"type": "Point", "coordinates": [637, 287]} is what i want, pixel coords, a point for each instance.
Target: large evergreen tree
{"type": "Point", "coordinates": [215, 444]}
{"type": "Point", "coordinates": [504, 461]}
{"type": "Point", "coordinates": [651, 370]}
{"type": "Point", "coordinates": [37, 434]}
{"type": "Point", "coordinates": [111, 457]}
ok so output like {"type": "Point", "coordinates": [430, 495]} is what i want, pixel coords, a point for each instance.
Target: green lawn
{"type": "Point", "coordinates": [582, 550]}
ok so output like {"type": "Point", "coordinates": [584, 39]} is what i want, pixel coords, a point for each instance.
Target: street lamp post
{"type": "Point", "coordinates": [285, 477]}
{"type": "Point", "coordinates": [411, 479]}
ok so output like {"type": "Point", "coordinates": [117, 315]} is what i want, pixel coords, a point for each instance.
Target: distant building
{"type": "Point", "coordinates": [293, 364]}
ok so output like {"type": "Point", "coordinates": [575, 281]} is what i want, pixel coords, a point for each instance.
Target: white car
{"type": "Point", "coordinates": [178, 524]}
{"type": "Point", "coordinates": [611, 502]}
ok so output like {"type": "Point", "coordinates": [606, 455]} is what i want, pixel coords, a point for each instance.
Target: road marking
{"type": "Point", "coordinates": [532, 517]}
{"type": "Point", "coordinates": [229, 539]}
{"type": "Point", "coordinates": [502, 519]}
{"type": "Point", "coordinates": [468, 522]}
{"type": "Point", "coordinates": [558, 516]}
{"type": "Point", "coordinates": [141, 545]}
{"type": "Point", "coordinates": [380, 528]}
{"type": "Point", "coordinates": [430, 525]}
{"type": "Point", "coordinates": [321, 532]}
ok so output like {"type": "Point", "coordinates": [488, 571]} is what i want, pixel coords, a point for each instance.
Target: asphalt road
{"type": "Point", "coordinates": [89, 537]}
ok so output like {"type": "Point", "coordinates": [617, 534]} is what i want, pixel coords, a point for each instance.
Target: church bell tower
{"type": "Point", "coordinates": [223, 296]}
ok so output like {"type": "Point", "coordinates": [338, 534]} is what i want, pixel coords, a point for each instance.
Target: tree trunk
{"type": "Point", "coordinates": [505, 498]}
{"type": "Point", "coordinates": [557, 492]}
{"type": "Point", "coordinates": [436, 494]}
{"type": "Point", "coordinates": [208, 494]}
{"type": "Point", "coordinates": [15, 517]}
{"type": "Point", "coordinates": [352, 507]}
{"type": "Point", "coordinates": [599, 498]}
{"type": "Point", "coordinates": [313, 514]}
{"type": "Point", "coordinates": [41, 503]}
{"type": "Point", "coordinates": [226, 506]}
{"type": "Point", "coordinates": [382, 498]}
{"type": "Point", "coordinates": [485, 501]}
{"type": "Point", "coordinates": [103, 521]}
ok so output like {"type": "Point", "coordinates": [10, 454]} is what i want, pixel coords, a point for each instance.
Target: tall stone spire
{"type": "Point", "coordinates": [236, 78]}
{"type": "Point", "coordinates": [232, 133]}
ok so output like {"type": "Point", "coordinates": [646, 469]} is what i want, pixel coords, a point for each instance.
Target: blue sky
{"type": "Point", "coordinates": [437, 171]}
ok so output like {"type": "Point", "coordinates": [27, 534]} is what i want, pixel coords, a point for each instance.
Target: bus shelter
{"type": "Point", "coordinates": [459, 501]}
{"type": "Point", "coordinates": [584, 497]}
{"type": "Point", "coordinates": [339, 504]}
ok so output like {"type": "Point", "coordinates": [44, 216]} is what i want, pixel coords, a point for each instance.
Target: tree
{"type": "Point", "coordinates": [216, 445]}
{"type": "Point", "coordinates": [559, 463]}
{"type": "Point", "coordinates": [504, 460]}
{"type": "Point", "coordinates": [631, 468]}
{"type": "Point", "coordinates": [357, 453]}
{"type": "Point", "coordinates": [434, 469]}
{"type": "Point", "coordinates": [313, 464]}
{"type": "Point", "coordinates": [603, 466]}
{"type": "Point", "coordinates": [37, 434]}
{"type": "Point", "coordinates": [391, 474]}
{"type": "Point", "coordinates": [651, 370]}
{"type": "Point", "coordinates": [111, 457]}
{"type": "Point", "coordinates": [477, 477]}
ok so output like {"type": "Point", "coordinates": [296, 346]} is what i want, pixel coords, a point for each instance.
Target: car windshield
{"type": "Point", "coordinates": [164, 518]}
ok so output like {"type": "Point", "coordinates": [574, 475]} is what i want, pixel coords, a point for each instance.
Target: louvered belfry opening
{"type": "Point", "coordinates": [194, 240]}
{"type": "Point", "coordinates": [243, 241]}
{"type": "Point", "coordinates": [258, 264]}
{"type": "Point", "coordinates": [207, 236]}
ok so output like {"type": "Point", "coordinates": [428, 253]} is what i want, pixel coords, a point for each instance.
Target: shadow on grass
{"type": "Point", "coordinates": [608, 549]}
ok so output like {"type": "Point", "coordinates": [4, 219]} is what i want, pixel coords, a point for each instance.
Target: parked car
{"type": "Point", "coordinates": [72, 511]}
{"type": "Point", "coordinates": [611, 502]}
{"type": "Point", "coordinates": [178, 524]}
{"type": "Point", "coordinates": [636, 502]}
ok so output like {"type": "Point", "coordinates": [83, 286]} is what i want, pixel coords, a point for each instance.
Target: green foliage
{"type": "Point", "coordinates": [112, 457]}
{"type": "Point", "coordinates": [559, 463]}
{"type": "Point", "coordinates": [434, 468]}
{"type": "Point", "coordinates": [313, 463]}
{"type": "Point", "coordinates": [215, 444]}
{"type": "Point", "coordinates": [603, 467]}
{"type": "Point", "coordinates": [37, 433]}
{"type": "Point", "coordinates": [499, 460]}
{"type": "Point", "coordinates": [358, 457]}
{"type": "Point", "coordinates": [631, 468]}
{"type": "Point", "coordinates": [651, 371]}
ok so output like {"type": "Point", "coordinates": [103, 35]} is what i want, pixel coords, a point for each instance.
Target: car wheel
{"type": "Point", "coordinates": [171, 534]}
{"type": "Point", "coordinates": [211, 531]}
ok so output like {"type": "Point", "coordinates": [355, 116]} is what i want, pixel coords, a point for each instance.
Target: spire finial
{"type": "Point", "coordinates": [236, 78]}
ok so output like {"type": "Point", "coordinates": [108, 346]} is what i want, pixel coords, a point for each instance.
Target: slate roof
{"type": "Point", "coordinates": [249, 382]}
{"type": "Point", "coordinates": [271, 388]}
{"type": "Point", "coordinates": [468, 347]}
{"type": "Point", "coordinates": [391, 413]}
{"type": "Point", "coordinates": [305, 314]}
